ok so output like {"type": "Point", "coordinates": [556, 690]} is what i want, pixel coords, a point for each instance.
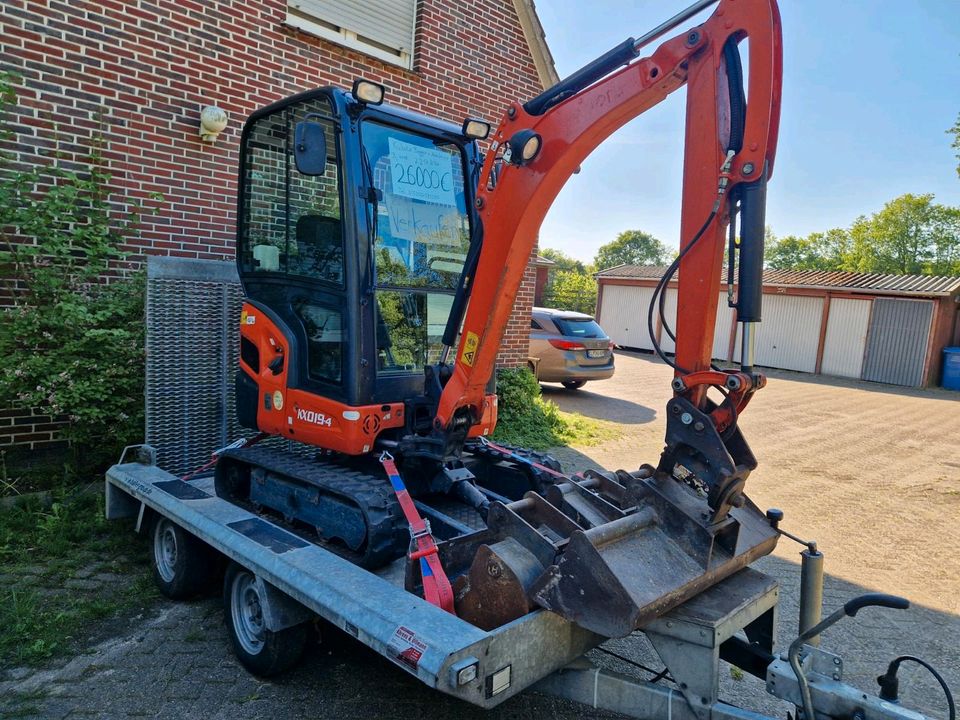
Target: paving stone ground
{"type": "Point", "coordinates": [871, 472]}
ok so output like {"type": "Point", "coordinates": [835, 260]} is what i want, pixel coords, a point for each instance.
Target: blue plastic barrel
{"type": "Point", "coordinates": [951, 368]}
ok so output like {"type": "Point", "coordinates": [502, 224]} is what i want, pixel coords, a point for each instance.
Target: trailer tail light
{"type": "Point", "coordinates": [466, 671]}
{"type": "Point", "coordinates": [567, 344]}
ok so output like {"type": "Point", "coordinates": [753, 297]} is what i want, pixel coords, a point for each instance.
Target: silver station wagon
{"type": "Point", "coordinates": [569, 348]}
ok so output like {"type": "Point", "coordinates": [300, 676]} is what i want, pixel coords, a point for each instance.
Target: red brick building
{"type": "Point", "coordinates": [138, 73]}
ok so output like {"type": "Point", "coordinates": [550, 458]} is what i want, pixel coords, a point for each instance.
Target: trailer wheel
{"type": "Point", "coordinates": [261, 651]}
{"type": "Point", "coordinates": [182, 564]}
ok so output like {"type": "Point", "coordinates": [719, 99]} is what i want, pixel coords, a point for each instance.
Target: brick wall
{"type": "Point", "coordinates": [33, 435]}
{"type": "Point", "coordinates": [138, 73]}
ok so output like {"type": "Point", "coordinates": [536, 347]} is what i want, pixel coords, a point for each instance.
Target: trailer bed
{"type": "Point", "coordinates": [427, 642]}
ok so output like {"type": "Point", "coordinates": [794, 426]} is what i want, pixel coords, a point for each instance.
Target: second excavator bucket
{"type": "Point", "coordinates": [609, 552]}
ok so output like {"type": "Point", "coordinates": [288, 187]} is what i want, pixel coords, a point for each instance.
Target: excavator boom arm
{"type": "Point", "coordinates": [576, 116]}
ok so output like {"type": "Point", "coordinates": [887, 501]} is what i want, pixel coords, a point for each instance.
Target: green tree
{"type": "Point", "coordinates": [563, 261]}
{"type": "Point", "coordinates": [955, 131]}
{"type": "Point", "coordinates": [911, 234]}
{"type": "Point", "coordinates": [632, 247]}
{"type": "Point", "coordinates": [818, 251]}
{"type": "Point", "coordinates": [572, 291]}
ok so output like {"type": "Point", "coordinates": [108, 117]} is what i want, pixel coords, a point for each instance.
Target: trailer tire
{"type": "Point", "coordinates": [182, 564]}
{"type": "Point", "coordinates": [261, 651]}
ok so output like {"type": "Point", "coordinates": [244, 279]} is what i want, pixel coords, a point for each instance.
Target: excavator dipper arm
{"type": "Point", "coordinates": [612, 551]}
{"type": "Point", "coordinates": [729, 152]}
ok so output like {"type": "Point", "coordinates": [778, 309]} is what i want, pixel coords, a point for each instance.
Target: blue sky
{"type": "Point", "coordinates": [869, 89]}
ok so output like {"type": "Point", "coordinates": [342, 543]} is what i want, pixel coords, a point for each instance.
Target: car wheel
{"type": "Point", "coordinates": [261, 651]}
{"type": "Point", "coordinates": [573, 384]}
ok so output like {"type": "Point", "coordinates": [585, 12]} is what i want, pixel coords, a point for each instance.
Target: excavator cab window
{"type": "Point", "coordinates": [290, 244]}
{"type": "Point", "coordinates": [291, 221]}
{"type": "Point", "coordinates": [422, 237]}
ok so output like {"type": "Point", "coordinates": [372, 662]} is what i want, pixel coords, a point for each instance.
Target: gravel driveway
{"type": "Point", "coordinates": [871, 472]}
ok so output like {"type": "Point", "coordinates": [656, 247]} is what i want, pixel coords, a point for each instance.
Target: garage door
{"type": "Point", "coordinates": [789, 335]}
{"type": "Point", "coordinates": [721, 331]}
{"type": "Point", "coordinates": [670, 313]}
{"type": "Point", "coordinates": [846, 337]}
{"type": "Point", "coordinates": [897, 343]}
{"type": "Point", "coordinates": [623, 314]}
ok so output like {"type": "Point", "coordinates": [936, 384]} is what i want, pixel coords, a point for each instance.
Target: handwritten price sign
{"type": "Point", "coordinates": [421, 173]}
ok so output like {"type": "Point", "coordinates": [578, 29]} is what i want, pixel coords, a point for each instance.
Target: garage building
{"type": "Point", "coordinates": [883, 328]}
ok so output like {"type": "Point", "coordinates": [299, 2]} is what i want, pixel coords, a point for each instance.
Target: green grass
{"type": "Point", "coordinates": [21, 704]}
{"type": "Point", "coordinates": [526, 419]}
{"type": "Point", "coordinates": [196, 635]}
{"type": "Point", "coordinates": [40, 550]}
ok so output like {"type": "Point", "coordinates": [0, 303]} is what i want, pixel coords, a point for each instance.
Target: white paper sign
{"type": "Point", "coordinates": [420, 222]}
{"type": "Point", "coordinates": [421, 173]}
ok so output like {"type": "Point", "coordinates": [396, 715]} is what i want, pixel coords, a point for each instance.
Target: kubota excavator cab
{"type": "Point", "coordinates": [354, 222]}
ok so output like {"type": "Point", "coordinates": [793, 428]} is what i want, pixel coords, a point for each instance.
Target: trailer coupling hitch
{"type": "Point", "coordinates": [849, 609]}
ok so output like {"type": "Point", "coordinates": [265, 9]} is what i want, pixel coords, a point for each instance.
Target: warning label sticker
{"type": "Point", "coordinates": [406, 648]}
{"type": "Point", "coordinates": [469, 349]}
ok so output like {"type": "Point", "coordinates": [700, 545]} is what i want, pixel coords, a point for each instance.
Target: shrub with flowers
{"type": "Point", "coordinates": [71, 337]}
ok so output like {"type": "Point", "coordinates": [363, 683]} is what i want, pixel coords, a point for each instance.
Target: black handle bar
{"type": "Point", "coordinates": [851, 607]}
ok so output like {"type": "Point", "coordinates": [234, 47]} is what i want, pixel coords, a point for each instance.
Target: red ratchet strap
{"type": "Point", "coordinates": [436, 586]}
{"type": "Point", "coordinates": [521, 458]}
{"type": "Point", "coordinates": [241, 443]}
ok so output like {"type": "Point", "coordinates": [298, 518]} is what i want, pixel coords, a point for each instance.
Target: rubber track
{"type": "Point", "coordinates": [541, 479]}
{"type": "Point", "coordinates": [387, 530]}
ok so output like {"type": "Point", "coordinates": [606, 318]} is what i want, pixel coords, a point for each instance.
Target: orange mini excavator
{"type": "Point", "coordinates": [381, 254]}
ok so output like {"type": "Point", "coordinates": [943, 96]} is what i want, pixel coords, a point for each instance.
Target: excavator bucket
{"type": "Point", "coordinates": [610, 552]}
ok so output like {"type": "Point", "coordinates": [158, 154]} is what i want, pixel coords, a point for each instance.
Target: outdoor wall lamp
{"type": "Point", "coordinates": [212, 122]}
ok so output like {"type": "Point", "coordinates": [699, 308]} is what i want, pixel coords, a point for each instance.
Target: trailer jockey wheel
{"type": "Point", "coordinates": [261, 651]}
{"type": "Point", "coordinates": [183, 566]}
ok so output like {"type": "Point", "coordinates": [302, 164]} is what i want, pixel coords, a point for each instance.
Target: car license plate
{"type": "Point", "coordinates": [596, 353]}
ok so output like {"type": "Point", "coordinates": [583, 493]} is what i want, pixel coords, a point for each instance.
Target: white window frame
{"type": "Point", "coordinates": [313, 25]}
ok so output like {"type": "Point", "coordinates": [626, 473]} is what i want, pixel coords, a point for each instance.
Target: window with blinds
{"type": "Point", "coordinates": [380, 28]}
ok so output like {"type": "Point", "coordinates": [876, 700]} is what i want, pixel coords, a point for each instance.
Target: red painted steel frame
{"type": "Point", "coordinates": [513, 211]}
{"type": "Point", "coordinates": [313, 419]}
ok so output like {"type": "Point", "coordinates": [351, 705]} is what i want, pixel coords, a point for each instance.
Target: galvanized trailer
{"type": "Point", "coordinates": [296, 579]}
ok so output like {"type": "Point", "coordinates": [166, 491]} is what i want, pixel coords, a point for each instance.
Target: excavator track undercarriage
{"type": "Point", "coordinates": [565, 543]}
{"type": "Point", "coordinates": [353, 512]}
{"type": "Point", "coordinates": [348, 504]}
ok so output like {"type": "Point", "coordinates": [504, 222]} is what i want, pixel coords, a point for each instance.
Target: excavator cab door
{"type": "Point", "coordinates": [292, 256]}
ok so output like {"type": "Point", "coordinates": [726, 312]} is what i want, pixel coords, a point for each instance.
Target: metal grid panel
{"type": "Point", "coordinates": [670, 312]}
{"type": "Point", "coordinates": [789, 334]}
{"type": "Point", "coordinates": [721, 331]}
{"type": "Point", "coordinates": [192, 347]}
